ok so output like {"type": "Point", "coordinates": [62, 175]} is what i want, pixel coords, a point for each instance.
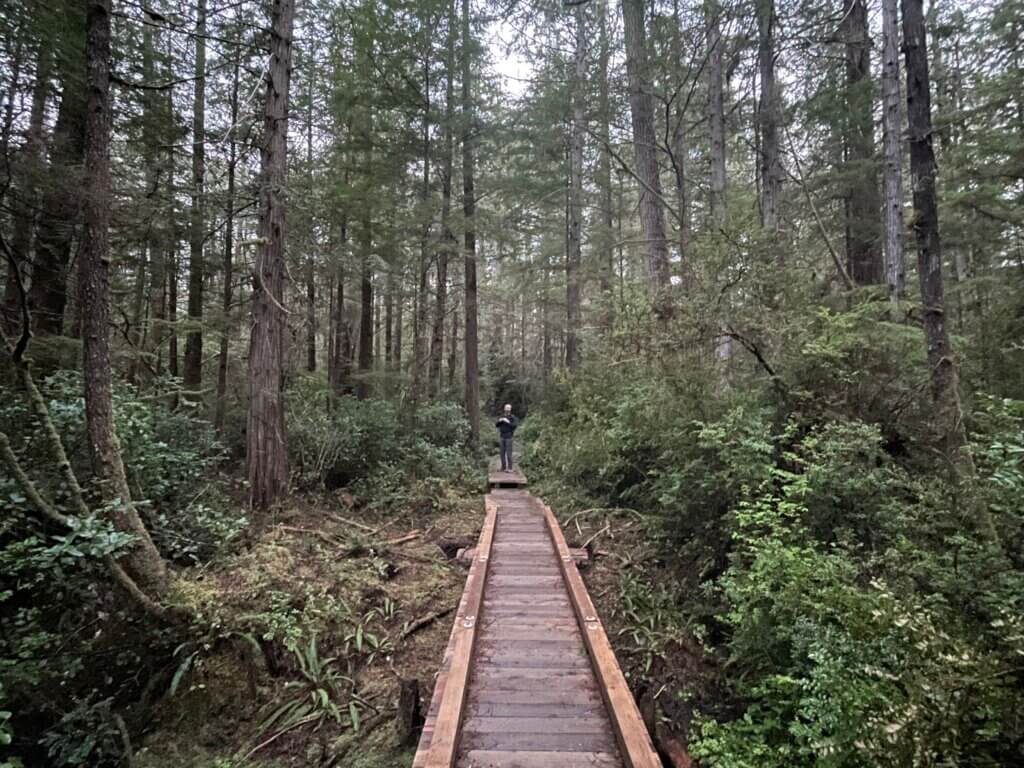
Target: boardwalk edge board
{"type": "Point", "coordinates": [634, 741]}
{"type": "Point", "coordinates": [444, 742]}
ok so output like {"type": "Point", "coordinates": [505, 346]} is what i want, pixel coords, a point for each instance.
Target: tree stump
{"type": "Point", "coordinates": [409, 720]}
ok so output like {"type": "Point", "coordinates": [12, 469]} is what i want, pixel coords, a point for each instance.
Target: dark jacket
{"type": "Point", "coordinates": [507, 425]}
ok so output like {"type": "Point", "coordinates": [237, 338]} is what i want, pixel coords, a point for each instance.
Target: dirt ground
{"type": "Point", "coordinates": [325, 568]}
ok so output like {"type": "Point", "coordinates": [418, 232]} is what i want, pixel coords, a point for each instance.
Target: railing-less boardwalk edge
{"type": "Point", "coordinates": [529, 678]}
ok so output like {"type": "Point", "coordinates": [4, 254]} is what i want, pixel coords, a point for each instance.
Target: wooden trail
{"type": "Point", "coordinates": [529, 679]}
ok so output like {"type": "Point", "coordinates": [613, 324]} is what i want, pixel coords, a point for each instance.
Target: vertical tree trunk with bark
{"type": "Point", "coordinates": [892, 131]}
{"type": "Point", "coordinates": [769, 117]}
{"type": "Point", "coordinates": [678, 149]}
{"type": "Point", "coordinates": [447, 246]}
{"type": "Point", "coordinates": [574, 255]}
{"type": "Point", "coordinates": [155, 137]}
{"type": "Point", "coordinates": [28, 189]}
{"type": "Point", "coordinates": [229, 247]}
{"type": "Point", "coordinates": [606, 247]}
{"type": "Point", "coordinates": [365, 309]}
{"type": "Point", "coordinates": [193, 372]}
{"type": "Point", "coordinates": [61, 202]}
{"type": "Point", "coordinates": [310, 235]}
{"type": "Point", "coordinates": [641, 105]}
{"type": "Point", "coordinates": [419, 344]}
{"type": "Point", "coordinates": [143, 561]}
{"type": "Point", "coordinates": [716, 110]}
{"type": "Point", "coordinates": [863, 235]}
{"type": "Point", "coordinates": [944, 384]}
{"type": "Point", "coordinates": [266, 435]}
{"type": "Point", "coordinates": [471, 354]}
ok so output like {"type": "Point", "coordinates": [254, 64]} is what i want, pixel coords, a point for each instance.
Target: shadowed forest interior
{"type": "Point", "coordinates": [750, 274]}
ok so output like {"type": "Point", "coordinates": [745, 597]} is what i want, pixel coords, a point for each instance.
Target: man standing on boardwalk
{"type": "Point", "coordinates": [506, 428]}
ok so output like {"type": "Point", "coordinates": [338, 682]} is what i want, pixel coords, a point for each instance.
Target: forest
{"type": "Point", "coordinates": [751, 272]}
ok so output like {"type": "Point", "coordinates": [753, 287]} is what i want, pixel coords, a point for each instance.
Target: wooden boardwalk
{"type": "Point", "coordinates": [529, 679]}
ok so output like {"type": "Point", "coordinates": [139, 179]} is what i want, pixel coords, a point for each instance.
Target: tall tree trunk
{"type": "Point", "coordinates": [863, 236]}
{"type": "Point", "coordinates": [574, 256]}
{"type": "Point", "coordinates": [28, 189]}
{"type": "Point", "coordinates": [769, 117]}
{"type": "Point", "coordinates": [143, 561]}
{"type": "Point", "coordinates": [342, 340]}
{"type": "Point", "coordinates": [155, 137]}
{"type": "Point", "coordinates": [892, 131]}
{"type": "Point", "coordinates": [944, 384]}
{"type": "Point", "coordinates": [645, 147]}
{"type": "Point", "coordinates": [310, 235]}
{"type": "Point", "coordinates": [716, 110]}
{"type": "Point", "coordinates": [229, 255]}
{"type": "Point", "coordinates": [641, 105]}
{"type": "Point", "coordinates": [453, 348]}
{"type": "Point", "coordinates": [447, 246]}
{"type": "Point", "coordinates": [61, 200]}
{"type": "Point", "coordinates": [365, 310]}
{"type": "Point", "coordinates": [678, 149]}
{"type": "Point", "coordinates": [396, 341]}
{"type": "Point", "coordinates": [419, 345]}
{"type": "Point", "coordinates": [137, 334]}
{"type": "Point", "coordinates": [471, 350]}
{"type": "Point", "coordinates": [266, 434]}
{"type": "Point", "coordinates": [606, 250]}
{"type": "Point", "coordinates": [193, 372]}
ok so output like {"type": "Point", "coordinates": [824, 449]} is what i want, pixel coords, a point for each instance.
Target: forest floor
{"type": "Point", "coordinates": [330, 567]}
{"type": "Point", "coordinates": [335, 570]}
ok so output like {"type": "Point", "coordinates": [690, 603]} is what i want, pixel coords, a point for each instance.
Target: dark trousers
{"type": "Point", "coordinates": [506, 452]}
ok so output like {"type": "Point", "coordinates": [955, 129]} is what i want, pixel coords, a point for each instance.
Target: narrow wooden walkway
{"type": "Point", "coordinates": [529, 679]}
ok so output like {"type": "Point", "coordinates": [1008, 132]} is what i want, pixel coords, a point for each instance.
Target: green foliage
{"type": "Point", "coordinates": [88, 734]}
{"type": "Point", "coordinates": [317, 692]}
{"type": "Point", "coordinates": [830, 560]}
{"type": "Point", "coordinates": [338, 441]}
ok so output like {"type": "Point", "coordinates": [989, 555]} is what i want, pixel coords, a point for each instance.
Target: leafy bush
{"type": "Point", "coordinates": [337, 441]}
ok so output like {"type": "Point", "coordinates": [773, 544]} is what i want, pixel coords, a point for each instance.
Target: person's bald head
{"type": "Point", "coordinates": [508, 408]}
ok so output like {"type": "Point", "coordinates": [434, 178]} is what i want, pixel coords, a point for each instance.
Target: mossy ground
{"type": "Point", "coordinates": [318, 567]}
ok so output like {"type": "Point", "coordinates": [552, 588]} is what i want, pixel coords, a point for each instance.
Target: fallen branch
{"type": "Point", "coordinates": [279, 734]}
{"type": "Point", "coordinates": [424, 621]}
{"type": "Point", "coordinates": [402, 539]}
{"type": "Point", "coordinates": [607, 527]}
{"type": "Point", "coordinates": [345, 520]}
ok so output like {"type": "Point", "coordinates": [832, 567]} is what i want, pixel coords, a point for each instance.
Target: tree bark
{"type": "Point", "coordinates": [893, 150]}
{"type": "Point", "coordinates": [61, 199]}
{"type": "Point", "coordinates": [863, 236]}
{"type": "Point", "coordinates": [678, 150]}
{"type": "Point", "coordinates": [142, 561]}
{"type": "Point", "coordinates": [266, 434]}
{"type": "Point", "coordinates": [193, 371]}
{"type": "Point", "coordinates": [471, 351]}
{"type": "Point", "coordinates": [28, 189]}
{"type": "Point", "coordinates": [453, 348]}
{"type": "Point", "coordinates": [606, 248]}
{"type": "Point", "coordinates": [769, 117]}
{"type": "Point", "coordinates": [447, 246]}
{"type": "Point", "coordinates": [641, 104]}
{"type": "Point", "coordinates": [574, 255]}
{"type": "Point", "coordinates": [310, 235]}
{"type": "Point", "coordinates": [944, 383]}
{"type": "Point", "coordinates": [716, 111]}
{"type": "Point", "coordinates": [419, 345]}
{"type": "Point", "coordinates": [229, 248]}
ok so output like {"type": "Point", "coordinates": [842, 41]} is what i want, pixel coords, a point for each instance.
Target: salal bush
{"type": "Point", "coordinates": [337, 441]}
{"type": "Point", "coordinates": [889, 636]}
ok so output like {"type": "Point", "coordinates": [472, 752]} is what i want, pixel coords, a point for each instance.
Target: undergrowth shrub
{"type": "Point", "coordinates": [857, 615]}
{"type": "Point", "coordinates": [337, 441]}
